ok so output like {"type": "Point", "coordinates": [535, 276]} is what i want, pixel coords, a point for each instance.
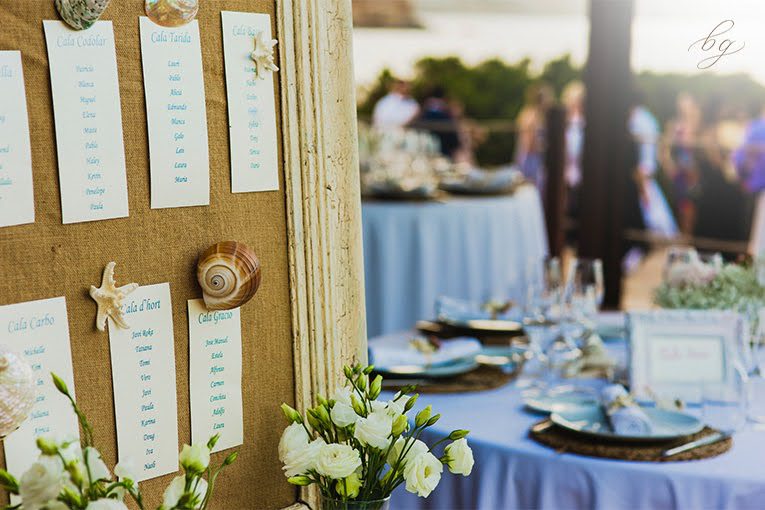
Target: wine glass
{"type": "Point", "coordinates": [582, 297]}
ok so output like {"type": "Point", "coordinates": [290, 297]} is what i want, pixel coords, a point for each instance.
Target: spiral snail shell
{"type": "Point", "coordinates": [229, 274]}
{"type": "Point", "coordinates": [81, 14]}
{"type": "Point", "coordinates": [17, 391]}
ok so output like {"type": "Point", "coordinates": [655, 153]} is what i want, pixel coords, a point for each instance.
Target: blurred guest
{"type": "Point", "coordinates": [749, 158]}
{"type": "Point", "coordinates": [396, 109]}
{"type": "Point", "coordinates": [572, 98]}
{"type": "Point", "coordinates": [438, 118]}
{"type": "Point", "coordinates": [530, 141]}
{"type": "Point", "coordinates": [656, 213]}
{"type": "Point", "coordinates": [680, 158]}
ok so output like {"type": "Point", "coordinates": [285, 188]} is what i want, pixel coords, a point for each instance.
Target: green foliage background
{"type": "Point", "coordinates": [493, 93]}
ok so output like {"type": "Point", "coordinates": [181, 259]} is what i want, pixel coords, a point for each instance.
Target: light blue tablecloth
{"type": "Point", "coordinates": [513, 472]}
{"type": "Point", "coordinates": [468, 248]}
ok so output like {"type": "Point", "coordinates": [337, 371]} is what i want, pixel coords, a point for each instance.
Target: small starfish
{"type": "Point", "coordinates": [109, 299]}
{"type": "Point", "coordinates": [263, 55]}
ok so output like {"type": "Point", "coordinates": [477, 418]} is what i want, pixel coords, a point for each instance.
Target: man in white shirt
{"type": "Point", "coordinates": [396, 109]}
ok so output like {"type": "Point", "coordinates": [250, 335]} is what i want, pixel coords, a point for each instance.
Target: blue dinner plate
{"type": "Point", "coordinates": [457, 367]}
{"type": "Point", "coordinates": [592, 421]}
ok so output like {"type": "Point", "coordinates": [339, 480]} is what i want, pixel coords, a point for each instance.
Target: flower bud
{"type": "Point", "coordinates": [423, 417]}
{"type": "Point", "coordinates": [458, 434]}
{"type": "Point", "coordinates": [8, 482]}
{"type": "Point", "coordinates": [292, 415]}
{"type": "Point", "coordinates": [47, 446]}
{"type": "Point", "coordinates": [368, 369]}
{"type": "Point", "coordinates": [358, 406]}
{"type": "Point", "coordinates": [301, 480]}
{"type": "Point", "coordinates": [349, 486]}
{"type": "Point", "coordinates": [348, 372]}
{"type": "Point", "coordinates": [410, 403]}
{"type": "Point", "coordinates": [230, 459]}
{"type": "Point", "coordinates": [59, 384]}
{"type": "Point", "coordinates": [213, 440]}
{"type": "Point", "coordinates": [75, 473]}
{"type": "Point", "coordinates": [433, 420]}
{"type": "Point", "coordinates": [322, 414]}
{"type": "Point", "coordinates": [321, 400]}
{"type": "Point", "coordinates": [376, 387]}
{"type": "Point", "coordinates": [361, 382]}
{"type": "Point", "coordinates": [399, 426]}
{"type": "Point", "coordinates": [313, 421]}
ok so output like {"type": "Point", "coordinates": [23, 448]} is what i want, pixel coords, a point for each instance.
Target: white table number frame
{"type": "Point", "coordinates": [674, 352]}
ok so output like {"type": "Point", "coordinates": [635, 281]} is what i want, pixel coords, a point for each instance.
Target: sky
{"type": "Point", "coordinates": [663, 35]}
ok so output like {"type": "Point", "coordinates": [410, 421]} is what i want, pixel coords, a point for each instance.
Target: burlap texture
{"type": "Point", "coordinates": [48, 259]}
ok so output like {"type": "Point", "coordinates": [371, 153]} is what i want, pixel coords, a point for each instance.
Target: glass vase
{"type": "Point", "coordinates": [337, 504]}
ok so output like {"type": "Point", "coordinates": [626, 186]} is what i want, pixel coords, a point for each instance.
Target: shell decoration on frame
{"type": "Point", "coordinates": [263, 55]}
{"type": "Point", "coordinates": [171, 13]}
{"type": "Point", "coordinates": [229, 274]}
{"type": "Point", "coordinates": [17, 391]}
{"type": "Point", "coordinates": [109, 297]}
{"type": "Point", "coordinates": [81, 14]}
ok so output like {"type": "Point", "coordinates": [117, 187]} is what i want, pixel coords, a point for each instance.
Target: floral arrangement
{"type": "Point", "coordinates": [73, 475]}
{"type": "Point", "coordinates": [699, 285]}
{"type": "Point", "coordinates": [356, 448]}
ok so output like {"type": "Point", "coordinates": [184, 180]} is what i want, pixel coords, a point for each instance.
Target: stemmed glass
{"type": "Point", "coordinates": [582, 297]}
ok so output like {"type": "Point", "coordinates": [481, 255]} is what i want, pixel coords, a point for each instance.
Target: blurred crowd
{"type": "Point", "coordinates": [697, 175]}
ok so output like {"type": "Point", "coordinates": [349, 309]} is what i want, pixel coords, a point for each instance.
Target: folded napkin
{"type": "Point", "coordinates": [625, 416]}
{"type": "Point", "coordinates": [457, 310]}
{"type": "Point", "coordinates": [404, 350]}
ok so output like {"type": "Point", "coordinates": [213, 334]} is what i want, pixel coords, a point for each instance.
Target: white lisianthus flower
{"type": "Point", "coordinates": [195, 458]}
{"type": "Point", "coordinates": [460, 457]}
{"type": "Point", "coordinates": [124, 470]}
{"type": "Point", "coordinates": [422, 474]}
{"type": "Point", "coordinates": [337, 461]}
{"type": "Point", "coordinates": [97, 466]}
{"type": "Point", "coordinates": [176, 488]}
{"type": "Point", "coordinates": [293, 438]}
{"type": "Point", "coordinates": [413, 450]}
{"type": "Point", "coordinates": [378, 406]}
{"type": "Point", "coordinates": [396, 408]}
{"type": "Point", "coordinates": [343, 395]}
{"type": "Point", "coordinates": [343, 415]}
{"type": "Point", "coordinates": [106, 504]}
{"type": "Point", "coordinates": [301, 459]}
{"type": "Point", "coordinates": [374, 430]}
{"type": "Point", "coordinates": [42, 482]}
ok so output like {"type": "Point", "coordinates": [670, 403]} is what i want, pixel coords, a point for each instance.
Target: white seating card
{"type": "Point", "coordinates": [16, 193]}
{"type": "Point", "coordinates": [176, 115]}
{"type": "Point", "coordinates": [215, 373]}
{"type": "Point", "coordinates": [251, 107]}
{"type": "Point", "coordinates": [86, 105]}
{"type": "Point", "coordinates": [143, 372]}
{"type": "Point", "coordinates": [39, 331]}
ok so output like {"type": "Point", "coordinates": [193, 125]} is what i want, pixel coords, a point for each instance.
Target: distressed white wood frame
{"type": "Point", "coordinates": [319, 139]}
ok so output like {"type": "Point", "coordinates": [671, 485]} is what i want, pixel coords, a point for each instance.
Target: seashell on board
{"type": "Point", "coordinates": [17, 391]}
{"type": "Point", "coordinates": [229, 274]}
{"type": "Point", "coordinates": [81, 14]}
{"type": "Point", "coordinates": [171, 13]}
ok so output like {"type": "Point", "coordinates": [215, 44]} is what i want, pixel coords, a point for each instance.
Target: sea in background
{"type": "Point", "coordinates": [541, 30]}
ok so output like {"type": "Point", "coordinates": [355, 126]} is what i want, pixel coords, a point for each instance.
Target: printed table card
{"type": "Point", "coordinates": [143, 372]}
{"type": "Point", "coordinates": [251, 107]}
{"type": "Point", "coordinates": [86, 105]}
{"type": "Point", "coordinates": [215, 372]}
{"type": "Point", "coordinates": [16, 193]}
{"type": "Point", "coordinates": [39, 331]}
{"type": "Point", "coordinates": [176, 115]}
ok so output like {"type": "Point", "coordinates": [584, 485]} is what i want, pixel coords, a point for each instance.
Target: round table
{"type": "Point", "coordinates": [513, 472]}
{"type": "Point", "coordinates": [464, 247]}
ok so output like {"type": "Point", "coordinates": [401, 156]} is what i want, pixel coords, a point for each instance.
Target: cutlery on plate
{"type": "Point", "coordinates": [698, 443]}
{"type": "Point", "coordinates": [542, 426]}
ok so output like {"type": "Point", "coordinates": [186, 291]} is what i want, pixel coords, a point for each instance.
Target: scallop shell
{"type": "Point", "coordinates": [17, 391]}
{"type": "Point", "coordinates": [229, 274]}
{"type": "Point", "coordinates": [81, 14]}
{"type": "Point", "coordinates": [171, 13]}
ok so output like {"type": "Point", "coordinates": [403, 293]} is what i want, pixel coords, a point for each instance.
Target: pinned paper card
{"type": "Point", "coordinates": [176, 115]}
{"type": "Point", "coordinates": [251, 105]}
{"type": "Point", "coordinates": [16, 194]}
{"type": "Point", "coordinates": [86, 105]}
{"type": "Point", "coordinates": [143, 372]}
{"type": "Point", "coordinates": [39, 332]}
{"type": "Point", "coordinates": [215, 372]}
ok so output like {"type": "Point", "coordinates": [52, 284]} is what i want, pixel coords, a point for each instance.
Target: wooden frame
{"type": "Point", "coordinates": [319, 137]}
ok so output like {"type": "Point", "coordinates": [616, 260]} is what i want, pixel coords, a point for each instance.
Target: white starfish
{"type": "Point", "coordinates": [108, 297]}
{"type": "Point", "coordinates": [263, 55]}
